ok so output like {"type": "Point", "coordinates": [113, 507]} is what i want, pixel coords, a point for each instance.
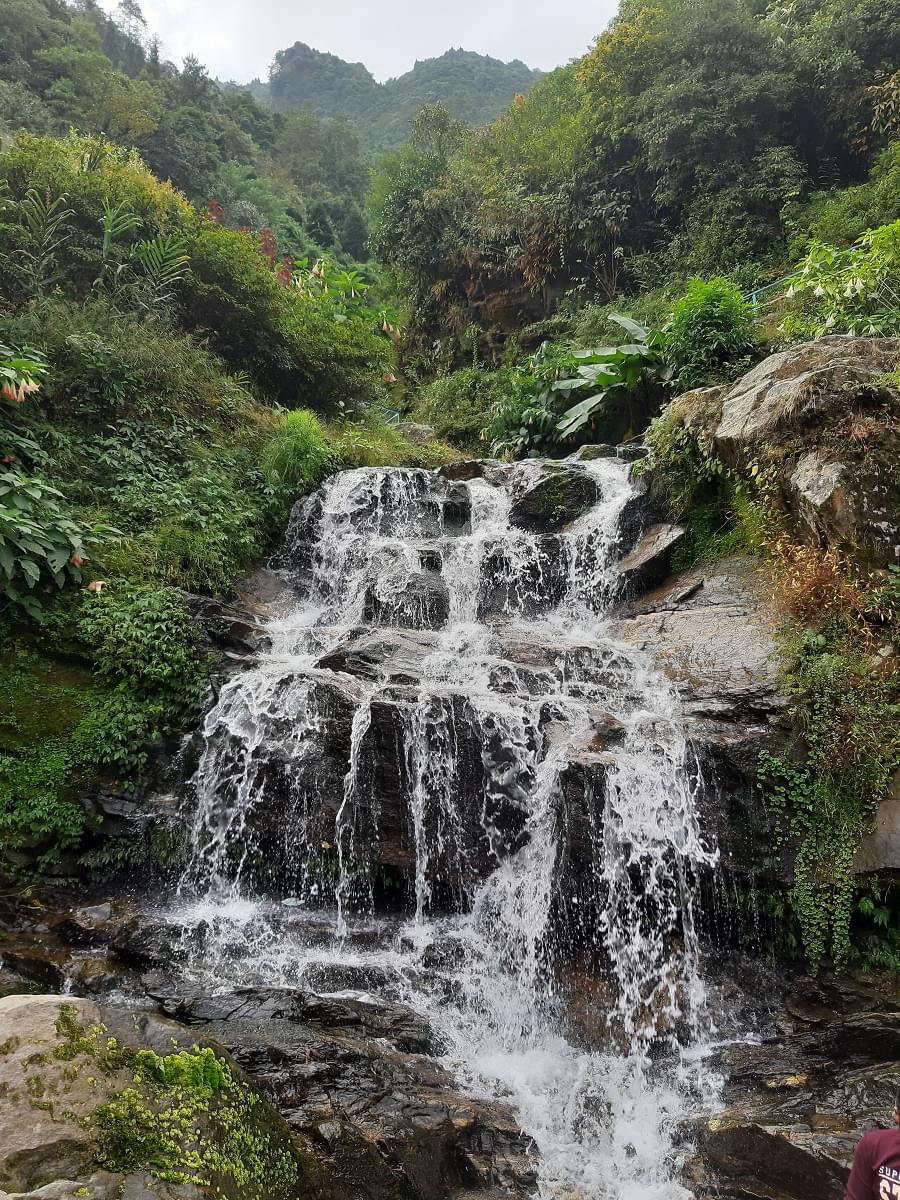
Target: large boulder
{"type": "Point", "coordinates": [554, 495]}
{"type": "Point", "coordinates": [803, 387]}
{"type": "Point", "coordinates": [45, 1097]}
{"type": "Point", "coordinates": [823, 419]}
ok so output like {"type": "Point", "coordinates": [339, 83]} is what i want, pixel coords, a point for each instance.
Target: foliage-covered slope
{"type": "Point", "coordinates": [144, 350]}
{"type": "Point", "coordinates": [689, 139]}
{"type": "Point", "coordinates": [68, 66]}
{"type": "Point", "coordinates": [472, 87]}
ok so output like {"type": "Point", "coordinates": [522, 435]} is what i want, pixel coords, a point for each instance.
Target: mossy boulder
{"type": "Point", "coordinates": [86, 1114]}
{"type": "Point", "coordinates": [821, 420]}
{"type": "Point", "coordinates": [555, 496]}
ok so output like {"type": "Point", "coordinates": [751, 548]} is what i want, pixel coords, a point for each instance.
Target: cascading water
{"type": "Point", "coordinates": [443, 704]}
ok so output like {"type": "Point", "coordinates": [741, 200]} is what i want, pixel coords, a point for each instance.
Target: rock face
{"type": "Point", "coordinates": [880, 850]}
{"type": "Point", "coordinates": [798, 1102]}
{"type": "Point", "coordinates": [712, 629]}
{"type": "Point", "coordinates": [651, 559]}
{"type": "Point", "coordinates": [821, 415]}
{"type": "Point", "coordinates": [369, 1113]}
{"type": "Point", "coordinates": [803, 387]}
{"type": "Point", "coordinates": [353, 1079]}
{"type": "Point", "coordinates": [38, 1142]}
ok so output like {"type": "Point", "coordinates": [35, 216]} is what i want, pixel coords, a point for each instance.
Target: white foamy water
{"type": "Point", "coordinates": [545, 795]}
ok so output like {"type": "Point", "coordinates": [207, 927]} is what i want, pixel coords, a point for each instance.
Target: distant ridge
{"type": "Point", "coordinates": [473, 87]}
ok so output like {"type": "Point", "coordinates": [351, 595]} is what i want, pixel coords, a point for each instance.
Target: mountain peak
{"type": "Point", "coordinates": [473, 87]}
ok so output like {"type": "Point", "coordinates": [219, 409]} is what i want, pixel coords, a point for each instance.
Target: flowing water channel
{"type": "Point", "coordinates": [445, 783]}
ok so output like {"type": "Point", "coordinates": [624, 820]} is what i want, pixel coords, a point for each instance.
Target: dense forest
{"type": "Point", "coordinates": [70, 66]}
{"type": "Point", "coordinates": [472, 87]}
{"type": "Point", "coordinates": [695, 138]}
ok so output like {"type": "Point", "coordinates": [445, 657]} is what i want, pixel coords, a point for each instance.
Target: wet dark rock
{"type": "Point", "coordinates": [392, 655]}
{"type": "Point", "coordinates": [422, 603]}
{"type": "Point", "coordinates": [746, 1162]}
{"type": "Point", "coordinates": [143, 941]}
{"type": "Point", "coordinates": [228, 627]}
{"type": "Point", "coordinates": [651, 559]}
{"type": "Point", "coordinates": [457, 510]}
{"type": "Point", "coordinates": [463, 471]}
{"type": "Point", "coordinates": [798, 1103]}
{"type": "Point", "coordinates": [559, 496]}
{"type": "Point", "coordinates": [509, 587]}
{"type": "Point", "coordinates": [397, 1025]}
{"type": "Point", "coordinates": [36, 965]}
{"type": "Point", "coordinates": [626, 451]}
{"type": "Point", "coordinates": [354, 1080]}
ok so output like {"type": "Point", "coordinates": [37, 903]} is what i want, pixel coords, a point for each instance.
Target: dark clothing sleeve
{"type": "Point", "coordinates": [859, 1185]}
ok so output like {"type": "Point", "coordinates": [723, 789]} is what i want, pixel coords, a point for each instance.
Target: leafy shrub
{"type": "Point", "coordinates": [839, 218]}
{"type": "Point", "coordinates": [849, 291]}
{"type": "Point", "coordinates": [107, 365]}
{"type": "Point", "coordinates": [293, 347]}
{"type": "Point", "coordinates": [623, 383]}
{"type": "Point", "coordinates": [141, 636]}
{"type": "Point", "coordinates": [141, 639]}
{"type": "Point", "coordinates": [372, 440]}
{"type": "Point", "coordinates": [710, 334]}
{"type": "Point", "coordinates": [458, 405]}
{"type": "Point", "coordinates": [298, 457]}
{"type": "Point", "coordinates": [90, 173]}
{"type": "Point", "coordinates": [40, 543]}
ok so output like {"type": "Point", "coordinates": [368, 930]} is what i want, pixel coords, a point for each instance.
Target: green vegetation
{"type": "Point", "coordinates": [66, 66]}
{"type": "Point", "coordinates": [710, 333]}
{"type": "Point", "coordinates": [709, 138]}
{"type": "Point", "coordinates": [849, 291]}
{"type": "Point", "coordinates": [185, 1118]}
{"type": "Point", "coordinates": [473, 87]}
{"type": "Point", "coordinates": [145, 352]}
{"type": "Point", "coordinates": [846, 704]}
{"type": "Point", "coordinates": [457, 405]}
{"type": "Point", "coordinates": [544, 406]}
{"type": "Point", "coordinates": [298, 457]}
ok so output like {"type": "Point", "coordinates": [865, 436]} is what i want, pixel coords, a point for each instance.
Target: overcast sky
{"type": "Point", "coordinates": [237, 40]}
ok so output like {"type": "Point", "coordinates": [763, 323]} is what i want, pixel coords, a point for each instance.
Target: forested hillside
{"type": "Point", "coordinates": [472, 87]}
{"type": "Point", "coordinates": [68, 66]}
{"type": "Point", "coordinates": [188, 341]}
{"type": "Point", "coordinates": [710, 138]}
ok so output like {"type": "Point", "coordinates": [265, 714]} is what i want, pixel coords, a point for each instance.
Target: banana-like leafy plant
{"type": "Point", "coordinates": [609, 371]}
{"type": "Point", "coordinates": [538, 414]}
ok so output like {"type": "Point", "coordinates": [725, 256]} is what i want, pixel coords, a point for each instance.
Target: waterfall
{"type": "Point", "coordinates": [445, 706]}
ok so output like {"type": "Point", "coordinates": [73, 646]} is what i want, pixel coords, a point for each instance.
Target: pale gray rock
{"type": "Point", "coordinates": [799, 387]}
